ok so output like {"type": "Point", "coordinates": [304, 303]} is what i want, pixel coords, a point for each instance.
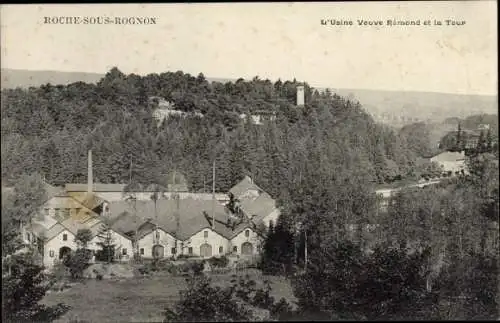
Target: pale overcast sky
{"type": "Point", "coordinates": [272, 40]}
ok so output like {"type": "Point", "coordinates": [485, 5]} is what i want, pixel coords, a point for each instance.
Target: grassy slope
{"type": "Point", "coordinates": [137, 299]}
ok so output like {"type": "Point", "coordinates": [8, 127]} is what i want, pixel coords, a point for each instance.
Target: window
{"type": "Point", "coordinates": [174, 251]}
{"type": "Point", "coordinates": [142, 251]}
{"type": "Point", "coordinates": [235, 249]}
{"type": "Point", "coordinates": [65, 237]}
{"type": "Point", "coordinates": [77, 210]}
{"type": "Point", "coordinates": [124, 251]}
{"type": "Point", "coordinates": [205, 234]}
{"type": "Point", "coordinates": [190, 250]}
{"type": "Point", "coordinates": [157, 234]}
{"type": "Point", "coordinates": [46, 212]}
{"type": "Point", "coordinates": [221, 249]}
{"type": "Point", "coordinates": [56, 212]}
{"type": "Point", "coordinates": [247, 233]}
{"type": "Point", "coordinates": [65, 213]}
{"type": "Point", "coordinates": [51, 253]}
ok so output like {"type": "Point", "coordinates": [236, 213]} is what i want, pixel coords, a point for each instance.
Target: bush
{"type": "Point", "coordinates": [78, 262]}
{"type": "Point", "coordinates": [202, 302]}
{"type": "Point", "coordinates": [22, 290]}
{"type": "Point", "coordinates": [106, 253]}
{"type": "Point", "coordinates": [218, 262]}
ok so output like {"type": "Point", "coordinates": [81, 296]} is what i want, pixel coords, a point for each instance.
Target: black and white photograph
{"type": "Point", "coordinates": [240, 162]}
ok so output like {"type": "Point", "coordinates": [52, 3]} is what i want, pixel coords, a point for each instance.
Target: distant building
{"type": "Point", "coordinates": [450, 161]}
{"type": "Point", "coordinates": [483, 127]}
{"type": "Point", "coordinates": [166, 109]}
{"type": "Point", "coordinates": [259, 117]}
{"type": "Point", "coordinates": [256, 204]}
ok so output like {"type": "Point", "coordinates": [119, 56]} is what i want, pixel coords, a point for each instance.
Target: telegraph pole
{"type": "Point", "coordinates": [213, 195]}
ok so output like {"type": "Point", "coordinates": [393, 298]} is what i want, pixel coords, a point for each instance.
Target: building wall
{"type": "Point", "coordinates": [146, 196]}
{"type": "Point", "coordinates": [147, 242]}
{"type": "Point", "coordinates": [51, 247]}
{"type": "Point", "coordinates": [214, 239]}
{"type": "Point", "coordinates": [241, 238]}
{"type": "Point", "coordinates": [118, 240]}
{"type": "Point", "coordinates": [453, 166]}
{"type": "Point", "coordinates": [61, 205]}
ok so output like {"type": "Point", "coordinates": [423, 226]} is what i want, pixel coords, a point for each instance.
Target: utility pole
{"type": "Point", "coordinates": [130, 172]}
{"type": "Point", "coordinates": [305, 251]}
{"type": "Point", "coordinates": [213, 195]}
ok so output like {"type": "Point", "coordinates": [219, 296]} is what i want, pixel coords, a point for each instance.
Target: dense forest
{"type": "Point", "coordinates": [49, 129]}
{"type": "Point", "coordinates": [434, 252]}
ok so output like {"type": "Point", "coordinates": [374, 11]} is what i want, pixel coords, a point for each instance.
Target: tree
{"type": "Point", "coordinates": [83, 237]}
{"type": "Point", "coordinates": [241, 301]}
{"type": "Point", "coordinates": [344, 283]}
{"type": "Point", "coordinates": [233, 204]}
{"type": "Point", "coordinates": [278, 250]}
{"type": "Point", "coordinates": [107, 253]}
{"type": "Point", "coordinates": [23, 288]}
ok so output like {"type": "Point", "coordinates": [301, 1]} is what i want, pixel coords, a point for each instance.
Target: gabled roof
{"type": "Point", "coordinates": [91, 201]}
{"type": "Point", "coordinates": [53, 231]}
{"type": "Point", "coordinates": [95, 187]}
{"type": "Point", "coordinates": [126, 222]}
{"type": "Point", "coordinates": [258, 208]}
{"type": "Point", "coordinates": [194, 216]}
{"type": "Point", "coordinates": [243, 186]}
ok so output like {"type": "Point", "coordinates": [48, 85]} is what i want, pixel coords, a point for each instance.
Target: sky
{"type": "Point", "coordinates": [269, 40]}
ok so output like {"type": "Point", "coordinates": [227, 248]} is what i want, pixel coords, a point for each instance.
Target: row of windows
{"type": "Point", "coordinates": [173, 250]}
{"type": "Point", "coordinates": [247, 234]}
{"type": "Point", "coordinates": [190, 250]}
{"type": "Point", "coordinates": [61, 212]}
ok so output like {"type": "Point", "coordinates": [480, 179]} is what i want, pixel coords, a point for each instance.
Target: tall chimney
{"type": "Point", "coordinates": [300, 95]}
{"type": "Point", "coordinates": [90, 177]}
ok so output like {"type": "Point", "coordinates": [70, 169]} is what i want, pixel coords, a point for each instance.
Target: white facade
{"type": "Point", "coordinates": [63, 206]}
{"type": "Point", "coordinates": [197, 244]}
{"type": "Point", "coordinates": [245, 242]}
{"type": "Point", "coordinates": [156, 237]}
{"type": "Point", "coordinates": [123, 245]}
{"type": "Point", "coordinates": [451, 161]}
{"type": "Point", "coordinates": [53, 247]}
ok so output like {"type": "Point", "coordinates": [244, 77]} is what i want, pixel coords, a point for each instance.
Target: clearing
{"type": "Point", "coordinates": [140, 299]}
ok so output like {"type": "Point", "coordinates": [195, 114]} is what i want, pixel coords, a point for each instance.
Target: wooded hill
{"type": "Point", "coordinates": [48, 129]}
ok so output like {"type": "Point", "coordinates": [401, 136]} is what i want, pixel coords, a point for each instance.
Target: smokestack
{"type": "Point", "coordinates": [300, 95]}
{"type": "Point", "coordinates": [90, 177]}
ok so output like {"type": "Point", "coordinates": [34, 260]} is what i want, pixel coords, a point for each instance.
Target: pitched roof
{"type": "Point", "coordinates": [53, 231]}
{"type": "Point", "coordinates": [91, 201]}
{"type": "Point", "coordinates": [259, 207]}
{"type": "Point", "coordinates": [96, 187]}
{"type": "Point", "coordinates": [47, 221]}
{"type": "Point", "coordinates": [244, 185]}
{"type": "Point", "coordinates": [126, 222]}
{"type": "Point", "coordinates": [194, 216]}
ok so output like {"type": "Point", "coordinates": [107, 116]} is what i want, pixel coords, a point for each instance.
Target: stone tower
{"type": "Point", "coordinates": [300, 95]}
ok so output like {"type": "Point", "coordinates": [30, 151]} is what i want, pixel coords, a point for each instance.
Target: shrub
{"type": "Point", "coordinates": [202, 302]}
{"type": "Point", "coordinates": [22, 290]}
{"type": "Point", "coordinates": [78, 261]}
{"type": "Point", "coordinates": [219, 262]}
